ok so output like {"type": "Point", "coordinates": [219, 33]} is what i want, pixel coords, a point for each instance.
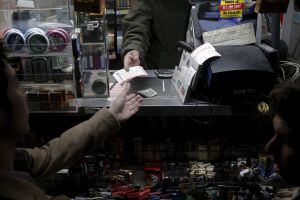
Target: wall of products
{"type": "Point", "coordinates": [37, 36]}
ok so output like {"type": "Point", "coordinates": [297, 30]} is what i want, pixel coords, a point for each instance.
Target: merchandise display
{"type": "Point", "coordinates": [238, 172]}
{"type": "Point", "coordinates": [173, 180]}
{"type": "Point", "coordinates": [36, 40]}
{"type": "Point", "coordinates": [38, 43]}
{"type": "Point", "coordinates": [14, 39]}
{"type": "Point", "coordinates": [58, 38]}
{"type": "Point", "coordinates": [67, 57]}
{"type": "Point", "coordinates": [94, 54]}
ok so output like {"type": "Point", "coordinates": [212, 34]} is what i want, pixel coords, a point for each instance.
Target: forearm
{"type": "Point", "coordinates": [136, 29]}
{"type": "Point", "coordinates": [72, 145]}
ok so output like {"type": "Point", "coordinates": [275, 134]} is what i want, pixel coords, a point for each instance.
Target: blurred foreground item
{"type": "Point", "coordinates": [271, 6]}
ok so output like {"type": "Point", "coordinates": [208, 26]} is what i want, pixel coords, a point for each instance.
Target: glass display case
{"type": "Point", "coordinates": [93, 54]}
{"type": "Point", "coordinates": [95, 74]}
{"type": "Point", "coordinates": [37, 36]}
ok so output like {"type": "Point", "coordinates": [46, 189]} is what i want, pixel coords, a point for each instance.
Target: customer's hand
{"type": "Point", "coordinates": [132, 58]}
{"type": "Point", "coordinates": [124, 106]}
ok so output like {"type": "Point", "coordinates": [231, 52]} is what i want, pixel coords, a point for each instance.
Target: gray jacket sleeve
{"type": "Point", "coordinates": [136, 29]}
{"type": "Point", "coordinates": [71, 145]}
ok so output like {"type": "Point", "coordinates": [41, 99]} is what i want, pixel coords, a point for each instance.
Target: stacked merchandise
{"type": "Point", "coordinates": [240, 179]}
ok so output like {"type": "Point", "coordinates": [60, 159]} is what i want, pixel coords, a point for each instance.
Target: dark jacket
{"type": "Point", "coordinates": [57, 154]}
{"type": "Point", "coordinates": [153, 27]}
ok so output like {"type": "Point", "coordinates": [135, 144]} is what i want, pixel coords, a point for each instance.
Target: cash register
{"type": "Point", "coordinates": [241, 67]}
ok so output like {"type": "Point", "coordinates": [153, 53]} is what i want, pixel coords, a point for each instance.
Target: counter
{"type": "Point", "coordinates": [166, 103]}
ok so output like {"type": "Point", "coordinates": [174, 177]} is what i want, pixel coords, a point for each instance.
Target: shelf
{"type": "Point", "coordinates": [123, 8]}
{"type": "Point", "coordinates": [39, 46]}
{"type": "Point", "coordinates": [26, 84]}
{"type": "Point", "coordinates": [36, 17]}
{"type": "Point", "coordinates": [122, 12]}
{"type": "Point", "coordinates": [38, 7]}
{"type": "Point", "coordinates": [45, 54]}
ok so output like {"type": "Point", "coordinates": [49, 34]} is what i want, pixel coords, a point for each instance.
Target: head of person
{"type": "Point", "coordinates": [284, 145]}
{"type": "Point", "coordinates": [13, 107]}
{"type": "Point", "coordinates": [297, 5]}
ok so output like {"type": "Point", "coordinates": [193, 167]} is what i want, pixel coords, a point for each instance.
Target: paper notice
{"type": "Point", "coordinates": [234, 35]}
{"type": "Point", "coordinates": [183, 69]}
{"type": "Point", "coordinates": [25, 4]}
{"type": "Point", "coordinates": [189, 75]}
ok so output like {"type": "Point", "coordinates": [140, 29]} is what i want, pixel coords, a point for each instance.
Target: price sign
{"type": "Point", "coordinates": [231, 9]}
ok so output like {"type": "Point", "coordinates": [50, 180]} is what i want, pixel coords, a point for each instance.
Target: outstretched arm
{"type": "Point", "coordinates": [67, 149]}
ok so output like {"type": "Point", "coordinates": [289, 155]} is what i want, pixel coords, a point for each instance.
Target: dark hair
{"type": "Point", "coordinates": [285, 101]}
{"type": "Point", "coordinates": [5, 103]}
{"type": "Point", "coordinates": [297, 5]}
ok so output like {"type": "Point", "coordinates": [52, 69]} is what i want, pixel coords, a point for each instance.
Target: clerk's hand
{"type": "Point", "coordinates": [132, 58]}
{"type": "Point", "coordinates": [124, 106]}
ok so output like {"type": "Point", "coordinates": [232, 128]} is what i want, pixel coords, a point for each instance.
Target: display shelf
{"type": "Point", "coordinates": [123, 4]}
{"type": "Point", "coordinates": [95, 83]}
{"type": "Point", "coordinates": [25, 18]}
{"type": "Point", "coordinates": [37, 36]}
{"type": "Point", "coordinates": [45, 24]}
{"type": "Point", "coordinates": [51, 97]}
{"type": "Point", "coordinates": [27, 53]}
{"type": "Point", "coordinates": [48, 84]}
{"type": "Point", "coordinates": [94, 54]}
{"type": "Point", "coordinates": [94, 67]}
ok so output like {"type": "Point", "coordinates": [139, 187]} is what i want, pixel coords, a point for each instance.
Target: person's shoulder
{"type": "Point", "coordinates": [296, 194]}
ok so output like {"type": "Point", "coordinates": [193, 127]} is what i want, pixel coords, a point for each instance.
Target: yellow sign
{"type": "Point", "coordinates": [231, 8]}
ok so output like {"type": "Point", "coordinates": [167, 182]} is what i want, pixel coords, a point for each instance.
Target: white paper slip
{"type": "Point", "coordinates": [202, 48]}
{"type": "Point", "coordinates": [123, 76]}
{"type": "Point", "coordinates": [183, 69]}
{"type": "Point", "coordinates": [205, 55]}
{"type": "Point", "coordinates": [204, 52]}
{"type": "Point", "coordinates": [189, 75]}
{"type": "Point", "coordinates": [25, 4]}
{"type": "Point", "coordinates": [234, 35]}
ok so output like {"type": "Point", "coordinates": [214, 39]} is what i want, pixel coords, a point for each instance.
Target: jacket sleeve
{"type": "Point", "coordinates": [136, 29]}
{"type": "Point", "coordinates": [71, 145]}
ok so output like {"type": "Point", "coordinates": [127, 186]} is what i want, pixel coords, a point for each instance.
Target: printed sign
{"type": "Point", "coordinates": [231, 9]}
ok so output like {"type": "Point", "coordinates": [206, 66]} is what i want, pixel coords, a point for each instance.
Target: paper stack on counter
{"type": "Point", "coordinates": [124, 76]}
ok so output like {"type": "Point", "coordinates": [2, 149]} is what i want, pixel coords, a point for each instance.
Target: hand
{"type": "Point", "coordinates": [124, 106]}
{"type": "Point", "coordinates": [132, 58]}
